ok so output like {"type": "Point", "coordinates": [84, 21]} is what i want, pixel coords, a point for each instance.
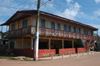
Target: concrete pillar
{"type": "Point", "coordinates": [22, 42]}
{"type": "Point", "coordinates": [32, 42]}
{"type": "Point", "coordinates": [62, 44]}
{"type": "Point", "coordinates": [49, 43]}
{"type": "Point", "coordinates": [72, 43]}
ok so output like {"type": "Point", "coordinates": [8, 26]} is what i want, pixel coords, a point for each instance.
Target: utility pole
{"type": "Point", "coordinates": [36, 44]}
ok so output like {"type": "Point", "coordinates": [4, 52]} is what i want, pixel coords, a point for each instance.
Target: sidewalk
{"type": "Point", "coordinates": [68, 56]}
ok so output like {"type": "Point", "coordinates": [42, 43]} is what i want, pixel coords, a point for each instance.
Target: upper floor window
{"type": "Point", "coordinates": [69, 28]}
{"type": "Point", "coordinates": [87, 32]}
{"type": "Point", "coordinates": [52, 25]}
{"type": "Point", "coordinates": [58, 26]}
{"type": "Point", "coordinates": [74, 29]}
{"type": "Point", "coordinates": [65, 28]}
{"type": "Point", "coordinates": [13, 27]}
{"type": "Point", "coordinates": [79, 30]}
{"type": "Point", "coordinates": [42, 23]}
{"type": "Point", "coordinates": [92, 33]}
{"type": "Point", "coordinates": [25, 23]}
{"type": "Point", "coordinates": [84, 31]}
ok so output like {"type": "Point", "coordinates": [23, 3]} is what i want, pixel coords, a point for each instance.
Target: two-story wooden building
{"type": "Point", "coordinates": [57, 35]}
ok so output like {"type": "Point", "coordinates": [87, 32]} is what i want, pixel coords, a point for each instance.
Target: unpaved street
{"type": "Point", "coordinates": [87, 60]}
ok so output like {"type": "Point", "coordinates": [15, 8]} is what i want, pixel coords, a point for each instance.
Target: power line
{"type": "Point", "coordinates": [45, 3]}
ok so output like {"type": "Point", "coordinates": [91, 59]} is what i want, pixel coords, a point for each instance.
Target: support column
{"type": "Point", "coordinates": [49, 43]}
{"type": "Point", "coordinates": [32, 42]}
{"type": "Point", "coordinates": [62, 44]}
{"type": "Point", "coordinates": [72, 43]}
{"type": "Point", "coordinates": [22, 42]}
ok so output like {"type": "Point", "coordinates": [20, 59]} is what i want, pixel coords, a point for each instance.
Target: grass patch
{"type": "Point", "coordinates": [24, 59]}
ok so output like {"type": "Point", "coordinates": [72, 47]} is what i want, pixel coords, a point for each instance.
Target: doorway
{"type": "Point", "coordinates": [56, 44]}
{"type": "Point", "coordinates": [11, 45]}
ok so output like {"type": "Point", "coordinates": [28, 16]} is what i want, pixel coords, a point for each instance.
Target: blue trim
{"type": "Point", "coordinates": [13, 27]}
{"type": "Point", "coordinates": [74, 29]}
{"type": "Point", "coordinates": [65, 28]}
{"type": "Point", "coordinates": [84, 31]}
{"type": "Point", "coordinates": [42, 23]}
{"type": "Point", "coordinates": [69, 28]}
{"type": "Point", "coordinates": [58, 26]}
{"type": "Point", "coordinates": [52, 25]}
{"type": "Point", "coordinates": [79, 30]}
{"type": "Point", "coordinates": [25, 23]}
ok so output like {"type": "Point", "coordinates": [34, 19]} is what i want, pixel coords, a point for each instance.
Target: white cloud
{"type": "Point", "coordinates": [90, 17]}
{"type": "Point", "coordinates": [97, 1]}
{"type": "Point", "coordinates": [9, 7]}
{"type": "Point", "coordinates": [68, 1]}
{"type": "Point", "coordinates": [97, 26]}
{"type": "Point", "coordinates": [72, 11]}
{"type": "Point", "coordinates": [97, 12]}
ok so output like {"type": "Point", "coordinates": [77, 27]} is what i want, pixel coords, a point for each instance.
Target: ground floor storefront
{"type": "Point", "coordinates": [47, 47]}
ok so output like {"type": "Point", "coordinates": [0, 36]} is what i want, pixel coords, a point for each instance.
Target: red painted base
{"type": "Point", "coordinates": [30, 53]}
{"type": "Point", "coordinates": [66, 51]}
{"type": "Point", "coordinates": [81, 50]}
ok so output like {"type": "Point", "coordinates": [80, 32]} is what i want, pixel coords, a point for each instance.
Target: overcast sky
{"type": "Point", "coordinates": [84, 11]}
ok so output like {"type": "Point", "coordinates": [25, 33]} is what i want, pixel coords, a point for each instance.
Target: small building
{"type": "Point", "coordinates": [3, 43]}
{"type": "Point", "coordinates": [57, 35]}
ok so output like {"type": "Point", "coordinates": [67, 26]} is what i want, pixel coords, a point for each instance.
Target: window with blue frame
{"type": "Point", "coordinates": [79, 30]}
{"type": "Point", "coordinates": [87, 32]}
{"type": "Point", "coordinates": [58, 26]}
{"type": "Point", "coordinates": [74, 29]}
{"type": "Point", "coordinates": [25, 23]}
{"type": "Point", "coordinates": [13, 27]}
{"type": "Point", "coordinates": [42, 23]}
{"type": "Point", "coordinates": [92, 33]}
{"type": "Point", "coordinates": [65, 28]}
{"type": "Point", "coordinates": [84, 31]}
{"type": "Point", "coordinates": [69, 28]}
{"type": "Point", "coordinates": [52, 25]}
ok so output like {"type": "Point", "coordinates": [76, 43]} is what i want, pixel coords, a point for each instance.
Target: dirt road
{"type": "Point", "coordinates": [87, 60]}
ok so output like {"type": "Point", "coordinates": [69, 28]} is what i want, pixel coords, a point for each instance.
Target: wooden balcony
{"type": "Point", "coordinates": [48, 32]}
{"type": "Point", "coordinates": [20, 32]}
{"type": "Point", "coordinates": [65, 34]}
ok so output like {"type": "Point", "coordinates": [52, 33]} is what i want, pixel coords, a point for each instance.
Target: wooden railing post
{"type": "Point", "coordinates": [49, 43]}
{"type": "Point", "coordinates": [62, 44]}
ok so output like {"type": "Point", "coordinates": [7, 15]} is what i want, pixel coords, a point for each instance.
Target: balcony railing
{"type": "Point", "coordinates": [20, 32]}
{"type": "Point", "coordinates": [48, 32]}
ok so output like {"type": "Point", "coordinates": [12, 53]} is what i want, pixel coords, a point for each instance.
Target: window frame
{"type": "Point", "coordinates": [53, 25]}
{"type": "Point", "coordinates": [69, 28]}
{"type": "Point", "coordinates": [25, 23]}
{"type": "Point", "coordinates": [74, 29]}
{"type": "Point", "coordinates": [13, 27]}
{"type": "Point", "coordinates": [42, 21]}
{"type": "Point", "coordinates": [58, 26]}
{"type": "Point", "coordinates": [85, 32]}
{"type": "Point", "coordinates": [79, 30]}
